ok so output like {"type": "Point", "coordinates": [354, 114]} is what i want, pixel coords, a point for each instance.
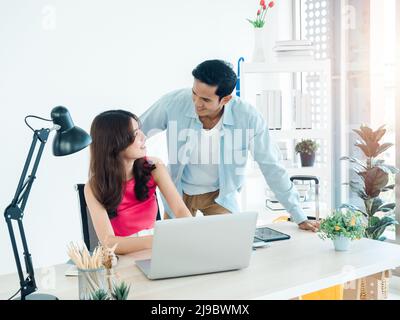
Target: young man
{"type": "Point", "coordinates": [210, 134]}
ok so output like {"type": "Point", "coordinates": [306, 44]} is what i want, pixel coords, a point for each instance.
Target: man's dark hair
{"type": "Point", "coordinates": [217, 73]}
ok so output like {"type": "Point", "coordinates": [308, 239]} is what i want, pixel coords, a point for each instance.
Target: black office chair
{"type": "Point", "coordinates": [89, 234]}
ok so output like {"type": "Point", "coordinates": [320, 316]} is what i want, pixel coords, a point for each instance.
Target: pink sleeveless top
{"type": "Point", "coordinates": [134, 215]}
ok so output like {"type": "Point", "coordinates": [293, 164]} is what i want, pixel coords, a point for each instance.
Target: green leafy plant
{"type": "Point", "coordinates": [121, 291]}
{"type": "Point", "coordinates": [100, 294]}
{"type": "Point", "coordinates": [343, 222]}
{"type": "Point", "coordinates": [306, 147]}
{"type": "Point", "coordinates": [118, 292]}
{"type": "Point", "coordinates": [373, 179]}
{"type": "Point", "coordinates": [259, 22]}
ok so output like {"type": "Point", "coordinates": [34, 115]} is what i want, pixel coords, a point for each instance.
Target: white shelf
{"type": "Point", "coordinates": [300, 134]}
{"type": "Point", "coordinates": [321, 171]}
{"type": "Point", "coordinates": [324, 171]}
{"type": "Point", "coordinates": [274, 214]}
{"type": "Point", "coordinates": [287, 66]}
{"type": "Point", "coordinates": [312, 171]}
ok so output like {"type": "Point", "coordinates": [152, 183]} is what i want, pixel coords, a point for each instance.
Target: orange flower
{"type": "Point", "coordinates": [337, 228]}
{"type": "Point", "coordinates": [353, 222]}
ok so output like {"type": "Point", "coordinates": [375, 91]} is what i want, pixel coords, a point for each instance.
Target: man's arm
{"type": "Point", "coordinates": [266, 153]}
{"type": "Point", "coordinates": [155, 119]}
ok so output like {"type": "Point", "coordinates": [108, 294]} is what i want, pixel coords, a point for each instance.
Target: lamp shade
{"type": "Point", "coordinates": [69, 138]}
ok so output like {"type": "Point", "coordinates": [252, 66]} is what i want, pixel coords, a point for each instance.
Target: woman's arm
{"type": "Point", "coordinates": [105, 232]}
{"type": "Point", "coordinates": [168, 189]}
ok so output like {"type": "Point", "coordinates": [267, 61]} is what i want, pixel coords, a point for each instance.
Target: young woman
{"type": "Point", "coordinates": [120, 193]}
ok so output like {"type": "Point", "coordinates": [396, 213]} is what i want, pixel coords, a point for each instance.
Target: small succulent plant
{"type": "Point", "coordinates": [121, 291]}
{"type": "Point", "coordinates": [100, 294]}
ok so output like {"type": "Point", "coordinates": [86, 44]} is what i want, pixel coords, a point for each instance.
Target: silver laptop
{"type": "Point", "coordinates": [190, 246]}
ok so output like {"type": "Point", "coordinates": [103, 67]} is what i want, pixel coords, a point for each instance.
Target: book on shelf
{"type": "Point", "coordinates": [269, 103]}
{"type": "Point", "coordinates": [305, 53]}
{"type": "Point", "coordinates": [294, 56]}
{"type": "Point", "coordinates": [292, 49]}
{"type": "Point", "coordinates": [302, 110]}
{"type": "Point", "coordinates": [294, 43]}
{"type": "Point", "coordinates": [283, 149]}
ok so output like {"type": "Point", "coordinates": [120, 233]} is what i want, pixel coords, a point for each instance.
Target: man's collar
{"type": "Point", "coordinates": [227, 117]}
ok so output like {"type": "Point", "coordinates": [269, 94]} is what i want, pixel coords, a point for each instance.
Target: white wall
{"type": "Point", "coordinates": [90, 56]}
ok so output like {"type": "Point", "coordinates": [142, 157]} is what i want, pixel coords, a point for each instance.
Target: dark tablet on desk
{"type": "Point", "coordinates": [268, 235]}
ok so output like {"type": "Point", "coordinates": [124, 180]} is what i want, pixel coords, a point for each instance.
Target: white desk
{"type": "Point", "coordinates": [285, 270]}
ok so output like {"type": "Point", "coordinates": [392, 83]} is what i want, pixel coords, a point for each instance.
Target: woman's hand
{"type": "Point", "coordinates": [168, 189]}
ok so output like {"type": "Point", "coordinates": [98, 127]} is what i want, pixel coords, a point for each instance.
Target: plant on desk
{"type": "Point", "coordinates": [373, 180]}
{"type": "Point", "coordinates": [307, 149]}
{"type": "Point", "coordinates": [100, 294]}
{"type": "Point", "coordinates": [342, 227]}
{"type": "Point", "coordinates": [119, 292]}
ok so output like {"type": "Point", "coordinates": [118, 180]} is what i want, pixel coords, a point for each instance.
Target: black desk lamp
{"type": "Point", "coordinates": [69, 139]}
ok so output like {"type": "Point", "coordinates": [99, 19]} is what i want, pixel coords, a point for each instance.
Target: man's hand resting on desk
{"type": "Point", "coordinates": [310, 225]}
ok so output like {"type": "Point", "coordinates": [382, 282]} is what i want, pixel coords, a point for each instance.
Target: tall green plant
{"type": "Point", "coordinates": [374, 179]}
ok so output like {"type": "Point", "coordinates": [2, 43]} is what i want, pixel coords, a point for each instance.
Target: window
{"type": "Point", "coordinates": [383, 81]}
{"type": "Point", "coordinates": [362, 40]}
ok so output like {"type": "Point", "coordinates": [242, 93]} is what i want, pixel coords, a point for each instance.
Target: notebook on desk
{"type": "Point", "coordinates": [266, 234]}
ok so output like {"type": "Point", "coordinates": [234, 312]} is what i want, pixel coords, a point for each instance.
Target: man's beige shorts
{"type": "Point", "coordinates": [204, 203]}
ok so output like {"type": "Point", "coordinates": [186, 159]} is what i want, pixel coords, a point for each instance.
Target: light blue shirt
{"type": "Point", "coordinates": [243, 130]}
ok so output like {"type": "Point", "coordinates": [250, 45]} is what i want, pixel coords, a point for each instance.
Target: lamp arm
{"type": "Point", "coordinates": [16, 212]}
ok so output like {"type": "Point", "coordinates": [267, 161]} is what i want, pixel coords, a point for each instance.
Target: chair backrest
{"type": "Point", "coordinates": [89, 234]}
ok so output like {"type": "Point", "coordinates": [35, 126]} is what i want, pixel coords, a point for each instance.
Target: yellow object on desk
{"type": "Point", "coordinates": [281, 219]}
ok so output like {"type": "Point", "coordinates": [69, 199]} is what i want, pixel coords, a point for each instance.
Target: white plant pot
{"type": "Point", "coordinates": [342, 243]}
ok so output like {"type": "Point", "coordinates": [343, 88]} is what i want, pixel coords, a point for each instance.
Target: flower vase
{"type": "Point", "coordinates": [342, 243]}
{"type": "Point", "coordinates": [258, 52]}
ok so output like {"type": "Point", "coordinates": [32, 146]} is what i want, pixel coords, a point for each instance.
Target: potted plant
{"type": "Point", "coordinates": [258, 24]}
{"type": "Point", "coordinates": [373, 179]}
{"type": "Point", "coordinates": [259, 21]}
{"type": "Point", "coordinates": [306, 149]}
{"type": "Point", "coordinates": [342, 227]}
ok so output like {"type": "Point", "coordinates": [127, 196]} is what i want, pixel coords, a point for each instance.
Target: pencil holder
{"type": "Point", "coordinates": [91, 281]}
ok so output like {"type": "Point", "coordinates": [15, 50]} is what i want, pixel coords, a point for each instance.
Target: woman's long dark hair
{"type": "Point", "coordinates": [112, 133]}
